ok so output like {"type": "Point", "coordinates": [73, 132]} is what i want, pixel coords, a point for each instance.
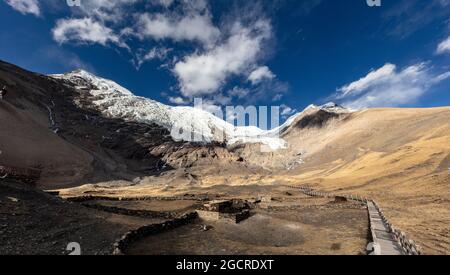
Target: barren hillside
{"type": "Point", "coordinates": [50, 125]}
{"type": "Point", "coordinates": [400, 157]}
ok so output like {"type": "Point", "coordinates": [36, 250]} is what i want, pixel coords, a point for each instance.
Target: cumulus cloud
{"type": "Point", "coordinates": [213, 51]}
{"type": "Point", "coordinates": [260, 74]}
{"type": "Point", "coordinates": [205, 73]}
{"type": "Point", "coordinates": [25, 6]}
{"type": "Point", "coordinates": [389, 86]}
{"type": "Point", "coordinates": [444, 46]}
{"type": "Point", "coordinates": [84, 31]}
{"type": "Point", "coordinates": [193, 27]}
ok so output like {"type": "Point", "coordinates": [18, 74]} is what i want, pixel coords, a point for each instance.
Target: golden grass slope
{"type": "Point", "coordinates": [401, 158]}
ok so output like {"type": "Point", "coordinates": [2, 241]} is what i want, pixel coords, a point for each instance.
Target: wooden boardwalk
{"type": "Point", "coordinates": [387, 240]}
{"type": "Point", "coordinates": [384, 242]}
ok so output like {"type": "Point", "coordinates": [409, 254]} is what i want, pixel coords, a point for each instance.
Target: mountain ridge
{"type": "Point", "coordinates": [397, 156]}
{"type": "Point", "coordinates": [118, 102]}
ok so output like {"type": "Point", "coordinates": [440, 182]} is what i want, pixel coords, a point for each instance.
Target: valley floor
{"type": "Point", "coordinates": [301, 231]}
{"type": "Point", "coordinates": [34, 222]}
{"type": "Point", "coordinates": [415, 201]}
{"type": "Point", "coordinates": [400, 157]}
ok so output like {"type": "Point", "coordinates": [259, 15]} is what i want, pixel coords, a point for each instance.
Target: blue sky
{"type": "Point", "coordinates": [290, 53]}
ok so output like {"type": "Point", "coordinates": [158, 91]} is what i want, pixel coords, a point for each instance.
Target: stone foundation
{"type": "Point", "coordinates": [233, 210]}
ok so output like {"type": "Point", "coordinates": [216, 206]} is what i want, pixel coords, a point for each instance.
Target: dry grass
{"type": "Point", "coordinates": [400, 157]}
{"type": "Point", "coordinates": [410, 179]}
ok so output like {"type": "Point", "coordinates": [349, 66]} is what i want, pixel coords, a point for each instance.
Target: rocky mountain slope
{"type": "Point", "coordinates": [79, 129]}
{"type": "Point", "coordinates": [55, 126]}
{"type": "Point", "coordinates": [183, 123]}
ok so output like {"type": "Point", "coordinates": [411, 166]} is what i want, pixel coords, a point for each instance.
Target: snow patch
{"type": "Point", "coordinates": [185, 123]}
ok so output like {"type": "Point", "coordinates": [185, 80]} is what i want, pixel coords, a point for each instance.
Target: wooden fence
{"type": "Point", "coordinates": [408, 246]}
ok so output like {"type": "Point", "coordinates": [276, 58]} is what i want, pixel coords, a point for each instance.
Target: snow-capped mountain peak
{"type": "Point", "coordinates": [101, 86]}
{"type": "Point", "coordinates": [184, 123]}
{"type": "Point", "coordinates": [328, 107]}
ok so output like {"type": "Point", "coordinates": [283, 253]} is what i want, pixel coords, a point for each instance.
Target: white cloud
{"type": "Point", "coordinates": [239, 92]}
{"type": "Point", "coordinates": [195, 6]}
{"type": "Point", "coordinates": [25, 6]}
{"type": "Point", "coordinates": [165, 3]}
{"type": "Point", "coordinates": [192, 27]}
{"type": "Point", "coordinates": [390, 87]}
{"type": "Point", "coordinates": [444, 46]}
{"type": "Point", "coordinates": [286, 110]}
{"type": "Point", "coordinates": [178, 100]}
{"type": "Point", "coordinates": [106, 10]}
{"type": "Point", "coordinates": [260, 74]}
{"type": "Point", "coordinates": [84, 30]}
{"type": "Point", "coordinates": [213, 53]}
{"type": "Point", "coordinates": [159, 53]}
{"type": "Point", "coordinates": [96, 21]}
{"type": "Point", "coordinates": [363, 83]}
{"type": "Point", "coordinates": [440, 78]}
{"type": "Point", "coordinates": [201, 74]}
{"type": "Point", "coordinates": [222, 99]}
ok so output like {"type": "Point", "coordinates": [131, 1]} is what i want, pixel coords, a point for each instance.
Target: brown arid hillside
{"type": "Point", "coordinates": [399, 157]}
{"type": "Point", "coordinates": [49, 125]}
{"type": "Point", "coordinates": [26, 137]}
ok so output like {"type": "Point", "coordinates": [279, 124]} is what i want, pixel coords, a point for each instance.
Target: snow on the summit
{"type": "Point", "coordinates": [104, 86]}
{"type": "Point", "coordinates": [329, 107]}
{"type": "Point", "coordinates": [184, 123]}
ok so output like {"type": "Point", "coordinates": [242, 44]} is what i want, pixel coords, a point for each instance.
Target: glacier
{"type": "Point", "coordinates": [184, 123]}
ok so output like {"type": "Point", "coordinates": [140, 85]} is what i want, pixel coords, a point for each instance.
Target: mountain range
{"type": "Point", "coordinates": [86, 134]}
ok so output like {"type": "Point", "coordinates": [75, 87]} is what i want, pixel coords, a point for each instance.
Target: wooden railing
{"type": "Point", "coordinates": [408, 246]}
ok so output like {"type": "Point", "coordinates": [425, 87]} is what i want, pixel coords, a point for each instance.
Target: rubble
{"type": "Point", "coordinates": [28, 176]}
{"type": "Point", "coordinates": [234, 210]}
